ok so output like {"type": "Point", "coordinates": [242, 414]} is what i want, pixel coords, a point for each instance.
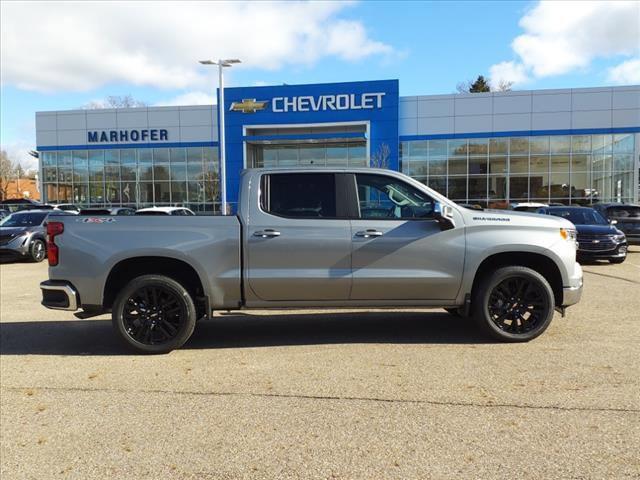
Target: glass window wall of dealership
{"type": "Point", "coordinates": [308, 154]}
{"type": "Point", "coordinates": [137, 177]}
{"type": "Point", "coordinates": [494, 172]}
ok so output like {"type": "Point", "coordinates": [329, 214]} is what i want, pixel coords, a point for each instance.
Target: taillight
{"type": "Point", "coordinates": [53, 229]}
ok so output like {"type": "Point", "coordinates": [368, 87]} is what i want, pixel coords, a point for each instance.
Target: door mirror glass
{"type": "Point", "coordinates": [444, 215]}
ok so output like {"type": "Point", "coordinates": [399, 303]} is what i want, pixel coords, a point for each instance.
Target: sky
{"type": "Point", "coordinates": [63, 55]}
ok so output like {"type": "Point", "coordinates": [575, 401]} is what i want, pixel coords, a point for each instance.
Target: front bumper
{"type": "Point", "coordinates": [571, 294]}
{"type": "Point", "coordinates": [59, 295]}
{"type": "Point", "coordinates": [18, 250]}
{"type": "Point", "coordinates": [619, 251]}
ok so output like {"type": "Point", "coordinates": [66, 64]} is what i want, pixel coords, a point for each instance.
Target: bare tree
{"type": "Point", "coordinates": [7, 170]}
{"type": "Point", "coordinates": [464, 87]}
{"type": "Point", "coordinates": [380, 159]}
{"type": "Point", "coordinates": [503, 86]}
{"type": "Point", "coordinates": [115, 101]}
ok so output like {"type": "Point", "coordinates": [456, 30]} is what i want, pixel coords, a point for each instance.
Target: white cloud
{"type": "Point", "coordinates": [507, 72]}
{"type": "Point", "coordinates": [626, 72]}
{"type": "Point", "coordinates": [83, 45]}
{"type": "Point", "coordinates": [189, 98]}
{"type": "Point", "coordinates": [563, 36]}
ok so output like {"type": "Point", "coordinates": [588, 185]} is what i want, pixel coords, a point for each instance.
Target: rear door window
{"type": "Point", "coordinates": [299, 195]}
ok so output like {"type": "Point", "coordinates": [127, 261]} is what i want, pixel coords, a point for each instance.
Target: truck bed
{"type": "Point", "coordinates": [92, 246]}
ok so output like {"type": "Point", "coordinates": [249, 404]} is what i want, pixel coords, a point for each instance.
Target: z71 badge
{"type": "Point", "coordinates": [96, 220]}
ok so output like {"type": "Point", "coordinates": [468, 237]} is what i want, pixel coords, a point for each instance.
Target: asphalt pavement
{"type": "Point", "coordinates": [323, 394]}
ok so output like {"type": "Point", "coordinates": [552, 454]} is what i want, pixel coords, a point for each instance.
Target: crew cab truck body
{"type": "Point", "coordinates": [315, 238]}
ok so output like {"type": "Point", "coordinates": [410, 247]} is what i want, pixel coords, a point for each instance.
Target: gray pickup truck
{"type": "Point", "coordinates": [315, 238]}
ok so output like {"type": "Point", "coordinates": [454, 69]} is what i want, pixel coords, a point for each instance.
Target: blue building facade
{"type": "Point", "coordinates": [577, 146]}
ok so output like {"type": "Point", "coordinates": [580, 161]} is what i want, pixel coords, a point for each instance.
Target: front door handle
{"type": "Point", "coordinates": [371, 232]}
{"type": "Point", "coordinates": [266, 233]}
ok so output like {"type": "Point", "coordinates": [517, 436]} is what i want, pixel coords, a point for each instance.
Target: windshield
{"type": "Point", "coordinates": [579, 216]}
{"type": "Point", "coordinates": [526, 209]}
{"type": "Point", "coordinates": [23, 219]}
{"type": "Point", "coordinates": [624, 212]}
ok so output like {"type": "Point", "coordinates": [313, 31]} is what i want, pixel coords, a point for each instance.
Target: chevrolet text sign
{"type": "Point", "coordinates": [346, 101]}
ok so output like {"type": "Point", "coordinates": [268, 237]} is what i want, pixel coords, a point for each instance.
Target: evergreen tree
{"type": "Point", "coordinates": [480, 85]}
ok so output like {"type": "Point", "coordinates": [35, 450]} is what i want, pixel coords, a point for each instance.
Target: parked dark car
{"type": "Point", "coordinates": [23, 234]}
{"type": "Point", "coordinates": [108, 211]}
{"type": "Point", "coordinates": [597, 238]}
{"type": "Point", "coordinates": [625, 217]}
{"type": "Point", "coordinates": [18, 204]}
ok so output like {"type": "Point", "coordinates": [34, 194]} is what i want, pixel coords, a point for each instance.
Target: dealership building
{"type": "Point", "coordinates": [574, 146]}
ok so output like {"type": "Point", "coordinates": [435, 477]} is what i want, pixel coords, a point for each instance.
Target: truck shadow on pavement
{"type": "Point", "coordinates": [240, 330]}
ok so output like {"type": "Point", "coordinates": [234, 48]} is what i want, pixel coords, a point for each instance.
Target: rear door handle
{"type": "Point", "coordinates": [369, 233]}
{"type": "Point", "coordinates": [266, 233]}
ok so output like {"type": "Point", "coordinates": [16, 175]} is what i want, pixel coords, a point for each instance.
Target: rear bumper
{"type": "Point", "coordinates": [59, 295]}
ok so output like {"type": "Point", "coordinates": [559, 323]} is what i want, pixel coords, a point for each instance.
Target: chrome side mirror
{"type": "Point", "coordinates": [443, 215]}
{"type": "Point", "coordinates": [613, 222]}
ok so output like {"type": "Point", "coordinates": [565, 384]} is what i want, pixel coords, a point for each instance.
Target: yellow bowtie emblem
{"type": "Point", "coordinates": [248, 105]}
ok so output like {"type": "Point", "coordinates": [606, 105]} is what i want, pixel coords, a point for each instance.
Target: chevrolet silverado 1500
{"type": "Point", "coordinates": [315, 238]}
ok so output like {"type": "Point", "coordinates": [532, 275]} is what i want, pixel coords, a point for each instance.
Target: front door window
{"type": "Point", "coordinates": [387, 197]}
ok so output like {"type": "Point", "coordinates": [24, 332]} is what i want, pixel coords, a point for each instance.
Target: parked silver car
{"type": "Point", "coordinates": [23, 234]}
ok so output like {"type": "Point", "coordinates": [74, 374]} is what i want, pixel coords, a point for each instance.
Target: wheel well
{"type": "Point", "coordinates": [126, 270]}
{"type": "Point", "coordinates": [535, 261]}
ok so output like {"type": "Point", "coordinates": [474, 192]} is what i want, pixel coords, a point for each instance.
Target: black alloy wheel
{"type": "Point", "coordinates": [518, 305]}
{"type": "Point", "coordinates": [514, 304]}
{"type": "Point", "coordinates": [154, 314]}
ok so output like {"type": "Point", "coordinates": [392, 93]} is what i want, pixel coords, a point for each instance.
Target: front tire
{"type": "Point", "coordinates": [154, 314]}
{"type": "Point", "coordinates": [617, 260]}
{"type": "Point", "coordinates": [514, 304]}
{"type": "Point", "coordinates": [37, 251]}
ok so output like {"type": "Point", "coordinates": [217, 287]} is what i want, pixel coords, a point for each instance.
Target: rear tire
{"type": "Point", "coordinates": [513, 304]}
{"type": "Point", "coordinates": [37, 251]}
{"type": "Point", "coordinates": [154, 314]}
{"type": "Point", "coordinates": [617, 260]}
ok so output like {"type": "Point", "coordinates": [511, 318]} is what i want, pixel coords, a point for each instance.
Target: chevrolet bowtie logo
{"type": "Point", "coordinates": [248, 105]}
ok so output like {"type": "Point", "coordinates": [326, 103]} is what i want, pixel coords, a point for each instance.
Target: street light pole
{"type": "Point", "coordinates": [222, 141]}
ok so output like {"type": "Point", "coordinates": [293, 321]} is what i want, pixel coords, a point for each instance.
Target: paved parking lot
{"type": "Point", "coordinates": [364, 394]}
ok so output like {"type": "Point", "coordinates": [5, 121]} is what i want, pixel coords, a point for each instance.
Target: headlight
{"type": "Point", "coordinates": [619, 238]}
{"type": "Point", "coordinates": [569, 234]}
{"type": "Point", "coordinates": [23, 236]}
